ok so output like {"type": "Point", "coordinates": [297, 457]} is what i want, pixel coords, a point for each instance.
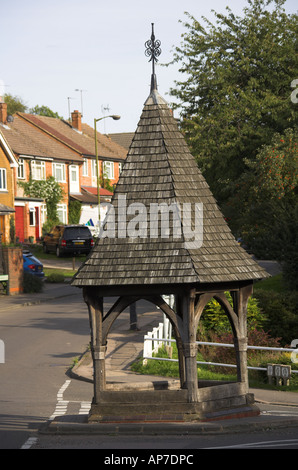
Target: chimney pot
{"type": "Point", "coordinates": [76, 120]}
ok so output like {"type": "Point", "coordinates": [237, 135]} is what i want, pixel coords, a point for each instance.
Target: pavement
{"type": "Point", "coordinates": [124, 346]}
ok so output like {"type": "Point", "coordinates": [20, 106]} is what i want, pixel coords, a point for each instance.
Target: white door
{"type": "Point", "coordinates": [74, 186]}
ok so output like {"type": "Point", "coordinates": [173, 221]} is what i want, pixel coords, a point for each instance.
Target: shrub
{"type": "Point", "coordinates": [226, 355]}
{"type": "Point", "coordinates": [32, 284]}
{"type": "Point", "coordinates": [74, 212]}
{"type": "Point", "coordinates": [55, 277]}
{"type": "Point", "coordinates": [215, 319]}
{"type": "Point", "coordinates": [280, 310]}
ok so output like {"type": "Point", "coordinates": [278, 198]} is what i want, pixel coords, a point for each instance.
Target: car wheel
{"type": "Point", "coordinates": [58, 252]}
{"type": "Point", "coordinates": [45, 249]}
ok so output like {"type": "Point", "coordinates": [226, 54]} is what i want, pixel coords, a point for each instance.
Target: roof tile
{"type": "Point", "coordinates": [160, 170]}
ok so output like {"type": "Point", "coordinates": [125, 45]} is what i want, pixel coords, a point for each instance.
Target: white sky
{"type": "Point", "coordinates": [51, 48]}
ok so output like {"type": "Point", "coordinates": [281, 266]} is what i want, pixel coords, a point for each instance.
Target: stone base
{"type": "Point", "coordinates": [215, 402]}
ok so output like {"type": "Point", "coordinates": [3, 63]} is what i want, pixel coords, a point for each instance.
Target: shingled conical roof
{"type": "Point", "coordinates": [160, 169]}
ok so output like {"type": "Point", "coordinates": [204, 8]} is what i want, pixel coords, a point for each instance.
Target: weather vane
{"type": "Point", "coordinates": [153, 51]}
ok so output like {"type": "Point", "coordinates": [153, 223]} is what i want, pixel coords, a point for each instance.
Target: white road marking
{"type": "Point", "coordinates": [61, 406]}
{"type": "Point", "coordinates": [277, 443]}
{"type": "Point", "coordinates": [280, 413]}
{"type": "Point", "coordinates": [29, 443]}
{"type": "Point", "coordinates": [85, 407]}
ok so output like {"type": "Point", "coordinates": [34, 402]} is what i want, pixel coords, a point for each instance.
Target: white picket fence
{"type": "Point", "coordinates": [154, 340]}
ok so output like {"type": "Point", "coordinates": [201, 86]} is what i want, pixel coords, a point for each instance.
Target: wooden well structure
{"type": "Point", "coordinates": [134, 261]}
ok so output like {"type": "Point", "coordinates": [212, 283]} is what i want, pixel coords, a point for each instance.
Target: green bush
{"type": "Point", "coordinates": [225, 355]}
{"type": "Point", "coordinates": [32, 284]}
{"type": "Point", "coordinates": [74, 212]}
{"type": "Point", "coordinates": [281, 313]}
{"type": "Point", "coordinates": [55, 277]}
{"type": "Point", "coordinates": [215, 319]}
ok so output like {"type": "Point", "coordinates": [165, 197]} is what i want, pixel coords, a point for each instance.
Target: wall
{"type": "Point", "coordinates": [13, 266]}
{"type": "Point", "coordinates": [6, 196]}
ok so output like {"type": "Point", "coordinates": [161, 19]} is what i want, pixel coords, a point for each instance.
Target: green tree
{"type": "Point", "coordinates": [266, 203]}
{"type": "Point", "coordinates": [276, 166]}
{"type": "Point", "coordinates": [14, 104]}
{"type": "Point", "coordinates": [44, 111]}
{"type": "Point", "coordinates": [74, 211]}
{"type": "Point", "coordinates": [236, 86]}
{"type": "Point", "coordinates": [50, 190]}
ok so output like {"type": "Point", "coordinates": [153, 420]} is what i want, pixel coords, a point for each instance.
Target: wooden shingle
{"type": "Point", "coordinates": [159, 169]}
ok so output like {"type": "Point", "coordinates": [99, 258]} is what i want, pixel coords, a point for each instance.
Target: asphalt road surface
{"type": "Point", "coordinates": [41, 343]}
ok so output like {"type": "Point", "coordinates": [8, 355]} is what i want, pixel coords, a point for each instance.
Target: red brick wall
{"type": "Point", "coordinates": [13, 266]}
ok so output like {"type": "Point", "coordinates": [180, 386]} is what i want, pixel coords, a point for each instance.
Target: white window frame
{"type": "Point", "coordinates": [120, 167]}
{"type": "Point", "coordinates": [32, 211]}
{"type": "Point", "coordinates": [85, 167]}
{"type": "Point", "coordinates": [38, 166]}
{"type": "Point", "coordinates": [43, 213]}
{"type": "Point", "coordinates": [57, 167]}
{"type": "Point", "coordinates": [93, 172]}
{"type": "Point", "coordinates": [108, 170]}
{"type": "Point", "coordinates": [62, 210]}
{"type": "Point", "coordinates": [3, 179]}
{"type": "Point", "coordinates": [21, 173]}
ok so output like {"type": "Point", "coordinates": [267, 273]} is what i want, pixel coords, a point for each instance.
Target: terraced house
{"type": "Point", "coordinates": [45, 146]}
{"type": "Point", "coordinates": [7, 165]}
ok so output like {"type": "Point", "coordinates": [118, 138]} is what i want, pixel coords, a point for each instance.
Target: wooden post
{"type": "Point", "coordinates": [241, 359]}
{"type": "Point", "coordinates": [190, 348]}
{"type": "Point", "coordinates": [98, 348]}
{"type": "Point", "coordinates": [133, 319]}
{"type": "Point", "coordinates": [240, 299]}
{"type": "Point", "coordinates": [181, 360]}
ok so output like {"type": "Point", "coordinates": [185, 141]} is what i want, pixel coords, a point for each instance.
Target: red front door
{"type": "Point", "coordinates": [19, 222]}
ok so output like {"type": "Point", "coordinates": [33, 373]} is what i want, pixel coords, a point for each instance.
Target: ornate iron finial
{"type": "Point", "coordinates": [153, 51]}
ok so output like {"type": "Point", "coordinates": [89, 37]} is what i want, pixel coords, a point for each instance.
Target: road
{"type": "Point", "coordinates": [41, 343]}
{"type": "Point", "coordinates": [171, 445]}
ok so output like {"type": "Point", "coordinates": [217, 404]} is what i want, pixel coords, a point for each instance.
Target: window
{"type": "Point", "coordinates": [62, 213]}
{"type": "Point", "coordinates": [21, 169]}
{"type": "Point", "coordinates": [76, 232]}
{"type": "Point", "coordinates": [74, 183]}
{"type": "Point", "coordinates": [3, 184]}
{"type": "Point", "coordinates": [43, 213]}
{"type": "Point", "coordinates": [94, 168]}
{"type": "Point", "coordinates": [94, 175]}
{"type": "Point", "coordinates": [108, 168]}
{"type": "Point", "coordinates": [120, 168]}
{"type": "Point", "coordinates": [85, 167]}
{"type": "Point", "coordinates": [32, 216]}
{"type": "Point", "coordinates": [59, 172]}
{"type": "Point", "coordinates": [38, 169]}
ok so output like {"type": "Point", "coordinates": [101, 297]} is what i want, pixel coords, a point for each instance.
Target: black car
{"type": "Point", "coordinates": [72, 239]}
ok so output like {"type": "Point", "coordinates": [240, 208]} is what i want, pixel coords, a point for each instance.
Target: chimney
{"type": "Point", "coordinates": [76, 120]}
{"type": "Point", "coordinates": [3, 113]}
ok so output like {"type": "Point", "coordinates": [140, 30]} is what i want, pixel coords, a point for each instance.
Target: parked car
{"type": "Point", "coordinates": [68, 239]}
{"type": "Point", "coordinates": [32, 265]}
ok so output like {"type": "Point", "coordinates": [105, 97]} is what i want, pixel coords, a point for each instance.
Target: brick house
{"type": "Point", "coordinates": [7, 165]}
{"type": "Point", "coordinates": [46, 146]}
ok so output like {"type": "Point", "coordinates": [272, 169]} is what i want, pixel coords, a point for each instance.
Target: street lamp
{"type": "Point", "coordinates": [115, 117]}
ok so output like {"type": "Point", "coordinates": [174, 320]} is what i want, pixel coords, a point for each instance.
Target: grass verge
{"type": "Point", "coordinates": [67, 273]}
